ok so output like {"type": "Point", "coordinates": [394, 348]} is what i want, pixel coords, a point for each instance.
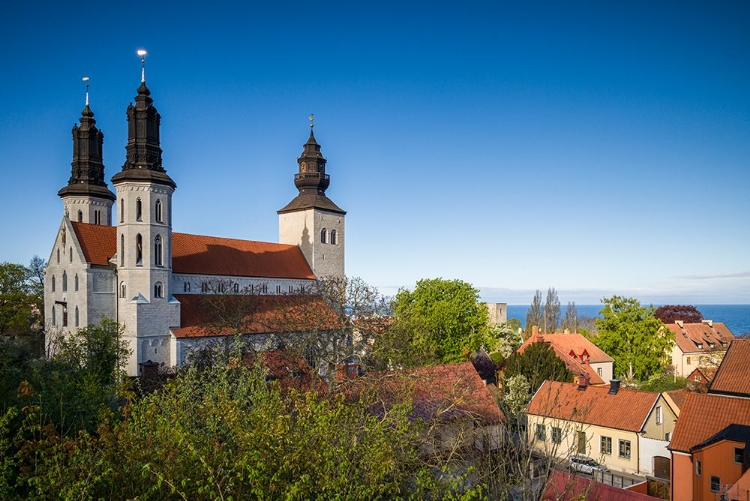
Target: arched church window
{"type": "Point", "coordinates": [80, 216]}
{"type": "Point", "coordinates": [333, 237]}
{"type": "Point", "coordinates": [323, 235]}
{"type": "Point", "coordinates": [157, 209]}
{"type": "Point", "coordinates": [75, 283]}
{"type": "Point", "coordinates": [222, 287]}
{"type": "Point", "coordinates": [65, 281]}
{"type": "Point", "coordinates": [54, 316]}
{"type": "Point", "coordinates": [236, 288]}
{"type": "Point", "coordinates": [70, 253]}
{"type": "Point", "coordinates": [97, 217]}
{"type": "Point", "coordinates": [138, 250]}
{"type": "Point", "coordinates": [122, 250]}
{"type": "Point", "coordinates": [123, 289]}
{"type": "Point", "coordinates": [204, 287]}
{"type": "Point", "coordinates": [122, 210]}
{"type": "Point", "coordinates": [138, 209]}
{"type": "Point", "coordinates": [58, 256]}
{"type": "Point", "coordinates": [76, 324]}
{"type": "Point", "coordinates": [64, 315]}
{"type": "Point", "coordinates": [53, 283]}
{"type": "Point", "coordinates": [158, 251]}
{"type": "Point", "coordinates": [158, 290]}
{"type": "Point", "coordinates": [186, 287]}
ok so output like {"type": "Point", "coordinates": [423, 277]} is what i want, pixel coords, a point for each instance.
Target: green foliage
{"type": "Point", "coordinates": [442, 319]}
{"type": "Point", "coordinates": [537, 363]}
{"type": "Point", "coordinates": [504, 339]}
{"type": "Point", "coordinates": [663, 382]}
{"type": "Point", "coordinates": [551, 311]}
{"type": "Point", "coordinates": [629, 333]}
{"type": "Point", "coordinates": [17, 301]}
{"type": "Point", "coordinates": [535, 314]}
{"type": "Point", "coordinates": [516, 395]}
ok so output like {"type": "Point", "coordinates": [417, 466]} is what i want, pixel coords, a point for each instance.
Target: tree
{"type": "Point", "coordinates": [16, 301]}
{"type": "Point", "coordinates": [534, 315]}
{"type": "Point", "coordinates": [633, 336]}
{"type": "Point", "coordinates": [441, 318]}
{"type": "Point", "coordinates": [537, 363]}
{"type": "Point", "coordinates": [551, 311]}
{"type": "Point", "coordinates": [670, 313]}
{"type": "Point", "coordinates": [570, 322]}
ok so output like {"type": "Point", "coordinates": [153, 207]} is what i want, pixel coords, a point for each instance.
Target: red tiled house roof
{"type": "Point", "coordinates": [733, 375]}
{"type": "Point", "coordinates": [704, 415]}
{"type": "Point", "coordinates": [678, 397]}
{"type": "Point", "coordinates": [204, 255]}
{"type": "Point", "coordinates": [204, 315]}
{"type": "Point", "coordinates": [627, 410]}
{"type": "Point", "coordinates": [703, 337]}
{"type": "Point", "coordinates": [575, 351]}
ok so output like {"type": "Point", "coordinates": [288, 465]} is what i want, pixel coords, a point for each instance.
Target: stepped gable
{"type": "Point", "coordinates": [705, 415]}
{"type": "Point", "coordinates": [626, 410]}
{"type": "Point", "coordinates": [203, 255]}
{"type": "Point", "coordinates": [733, 375]}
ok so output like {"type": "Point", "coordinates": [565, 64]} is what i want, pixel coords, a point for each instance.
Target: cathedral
{"type": "Point", "coordinates": [149, 279]}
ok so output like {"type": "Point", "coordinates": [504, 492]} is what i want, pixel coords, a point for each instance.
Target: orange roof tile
{"type": "Point", "coordinates": [206, 315]}
{"type": "Point", "coordinates": [627, 410]}
{"type": "Point", "coordinates": [699, 337]}
{"type": "Point", "coordinates": [204, 255]}
{"type": "Point", "coordinates": [678, 397]}
{"type": "Point", "coordinates": [704, 415]}
{"type": "Point", "coordinates": [733, 375]}
{"type": "Point", "coordinates": [564, 486]}
{"type": "Point", "coordinates": [571, 348]}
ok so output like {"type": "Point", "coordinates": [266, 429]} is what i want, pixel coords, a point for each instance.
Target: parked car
{"type": "Point", "coordinates": [585, 464]}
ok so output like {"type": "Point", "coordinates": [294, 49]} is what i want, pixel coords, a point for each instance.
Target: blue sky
{"type": "Point", "coordinates": [597, 147]}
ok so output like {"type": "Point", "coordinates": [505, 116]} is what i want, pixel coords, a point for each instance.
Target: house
{"type": "Point", "coordinates": [732, 378]}
{"type": "Point", "coordinates": [700, 378]}
{"type": "Point", "coordinates": [581, 356]}
{"type": "Point", "coordinates": [676, 399]}
{"type": "Point", "coordinates": [626, 430]}
{"type": "Point", "coordinates": [709, 447]}
{"type": "Point", "coordinates": [148, 278]}
{"type": "Point", "coordinates": [700, 344]}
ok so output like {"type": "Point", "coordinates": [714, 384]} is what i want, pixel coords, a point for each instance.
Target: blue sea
{"type": "Point", "coordinates": [735, 316]}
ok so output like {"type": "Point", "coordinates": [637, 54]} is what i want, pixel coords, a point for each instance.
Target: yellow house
{"type": "Point", "coordinates": [626, 430]}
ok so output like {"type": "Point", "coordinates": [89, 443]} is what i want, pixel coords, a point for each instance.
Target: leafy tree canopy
{"type": "Point", "coordinates": [633, 336]}
{"type": "Point", "coordinates": [537, 363]}
{"type": "Point", "coordinates": [443, 318]}
{"type": "Point", "coordinates": [669, 313]}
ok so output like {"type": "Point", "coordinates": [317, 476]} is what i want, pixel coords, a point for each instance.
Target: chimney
{"type": "Point", "coordinates": [535, 330]}
{"type": "Point", "coordinates": [614, 386]}
{"type": "Point", "coordinates": [680, 323]}
{"type": "Point", "coordinates": [583, 381]}
{"type": "Point", "coordinates": [710, 323]}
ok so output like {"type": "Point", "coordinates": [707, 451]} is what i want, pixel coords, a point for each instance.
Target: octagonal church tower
{"type": "Point", "coordinates": [311, 220]}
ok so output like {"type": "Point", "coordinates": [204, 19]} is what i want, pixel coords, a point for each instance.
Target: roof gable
{"type": "Point", "coordinates": [626, 410]}
{"type": "Point", "coordinates": [571, 349]}
{"type": "Point", "coordinates": [701, 337]}
{"type": "Point", "coordinates": [704, 415]}
{"type": "Point", "coordinates": [733, 375]}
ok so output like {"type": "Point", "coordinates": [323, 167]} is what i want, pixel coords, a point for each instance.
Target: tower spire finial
{"type": "Point", "coordinates": [312, 121]}
{"type": "Point", "coordinates": [142, 53]}
{"type": "Point", "coordinates": [86, 79]}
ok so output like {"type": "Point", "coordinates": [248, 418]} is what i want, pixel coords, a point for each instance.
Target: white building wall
{"type": "Point", "coordinates": [649, 448]}
{"type": "Point", "coordinates": [303, 228]}
{"type": "Point", "coordinates": [91, 210]}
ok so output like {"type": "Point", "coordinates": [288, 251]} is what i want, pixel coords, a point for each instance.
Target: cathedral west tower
{"type": "Point", "coordinates": [311, 220]}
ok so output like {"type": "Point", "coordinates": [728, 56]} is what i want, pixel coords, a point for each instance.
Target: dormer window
{"type": "Point", "coordinates": [699, 345]}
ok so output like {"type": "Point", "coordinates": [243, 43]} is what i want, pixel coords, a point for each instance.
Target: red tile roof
{"type": "Point", "coordinates": [574, 350]}
{"type": "Point", "coordinates": [698, 337]}
{"type": "Point", "coordinates": [678, 397]}
{"type": "Point", "coordinates": [704, 415]}
{"type": "Point", "coordinates": [733, 375]}
{"type": "Point", "coordinates": [564, 486]}
{"type": "Point", "coordinates": [288, 368]}
{"type": "Point", "coordinates": [627, 410]}
{"type": "Point", "coordinates": [203, 255]}
{"type": "Point", "coordinates": [205, 315]}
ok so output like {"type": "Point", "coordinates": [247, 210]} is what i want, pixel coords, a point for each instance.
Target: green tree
{"type": "Point", "coordinates": [535, 314]}
{"type": "Point", "coordinates": [16, 301]}
{"type": "Point", "coordinates": [442, 318]}
{"type": "Point", "coordinates": [551, 311]}
{"type": "Point", "coordinates": [633, 336]}
{"type": "Point", "coordinates": [570, 321]}
{"type": "Point", "coordinates": [537, 363]}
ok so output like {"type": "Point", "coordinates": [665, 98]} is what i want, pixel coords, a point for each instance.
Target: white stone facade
{"type": "Point", "coordinates": [320, 235]}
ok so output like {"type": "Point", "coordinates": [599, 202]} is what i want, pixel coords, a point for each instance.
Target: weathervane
{"type": "Point", "coordinates": [312, 120]}
{"type": "Point", "coordinates": [86, 79]}
{"type": "Point", "coordinates": [142, 53]}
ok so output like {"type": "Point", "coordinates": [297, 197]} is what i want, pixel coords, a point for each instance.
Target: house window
{"type": "Point", "coordinates": [76, 316]}
{"type": "Point", "coordinates": [739, 455]}
{"type": "Point", "coordinates": [157, 210]}
{"type": "Point", "coordinates": [80, 216]}
{"type": "Point", "coordinates": [605, 445]}
{"type": "Point", "coordinates": [138, 250]}
{"type": "Point", "coordinates": [122, 289]}
{"type": "Point", "coordinates": [75, 283]}
{"type": "Point", "coordinates": [697, 378]}
{"type": "Point", "coordinates": [556, 435]}
{"type": "Point", "coordinates": [625, 449]}
{"type": "Point", "coordinates": [333, 237]}
{"type": "Point", "coordinates": [138, 210]}
{"type": "Point", "coordinates": [599, 371]}
{"type": "Point", "coordinates": [53, 283]}
{"type": "Point", "coordinates": [65, 281]}
{"type": "Point", "coordinates": [667, 436]}
{"type": "Point", "coordinates": [323, 235]}
{"type": "Point", "coordinates": [688, 360]}
{"type": "Point", "coordinates": [158, 292]}
{"type": "Point", "coordinates": [715, 483]}
{"type": "Point", "coordinates": [658, 415]}
{"type": "Point", "coordinates": [697, 468]}
{"type": "Point", "coordinates": [158, 250]}
{"type": "Point", "coordinates": [186, 287]}
{"type": "Point", "coordinates": [541, 432]}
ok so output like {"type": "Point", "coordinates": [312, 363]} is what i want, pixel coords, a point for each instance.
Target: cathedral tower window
{"type": "Point", "coordinates": [158, 290]}
{"type": "Point", "coordinates": [323, 235]}
{"type": "Point", "coordinates": [333, 237]}
{"type": "Point", "coordinates": [97, 217]}
{"type": "Point", "coordinates": [204, 288]}
{"type": "Point", "coordinates": [222, 287]}
{"type": "Point", "coordinates": [236, 288]}
{"type": "Point", "coordinates": [53, 283]}
{"type": "Point", "coordinates": [138, 209]}
{"type": "Point", "coordinates": [54, 316]}
{"type": "Point", "coordinates": [58, 256]}
{"type": "Point", "coordinates": [65, 281]}
{"type": "Point", "coordinates": [64, 315]}
{"type": "Point", "coordinates": [70, 255]}
{"type": "Point", "coordinates": [138, 250]}
{"type": "Point", "coordinates": [158, 251]}
{"type": "Point", "coordinates": [157, 210]}
{"type": "Point", "coordinates": [186, 287]}
{"type": "Point", "coordinates": [123, 289]}
{"type": "Point", "coordinates": [80, 216]}
{"type": "Point", "coordinates": [75, 283]}
{"type": "Point", "coordinates": [76, 324]}
{"type": "Point", "coordinates": [122, 210]}
{"type": "Point", "coordinates": [122, 250]}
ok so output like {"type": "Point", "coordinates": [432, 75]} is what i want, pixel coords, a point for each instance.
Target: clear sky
{"type": "Point", "coordinates": [597, 147]}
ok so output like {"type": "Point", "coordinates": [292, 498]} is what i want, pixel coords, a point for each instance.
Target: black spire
{"type": "Point", "coordinates": [143, 157]}
{"type": "Point", "coordinates": [311, 181]}
{"type": "Point", "coordinates": [87, 176]}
